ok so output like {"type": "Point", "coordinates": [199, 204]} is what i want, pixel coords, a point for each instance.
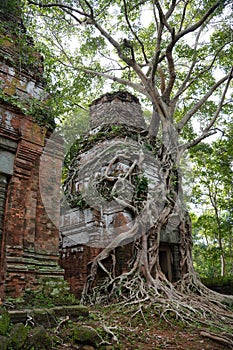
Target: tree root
{"type": "Point", "coordinates": [222, 338]}
{"type": "Point", "coordinates": [109, 331]}
{"type": "Point", "coordinates": [193, 304]}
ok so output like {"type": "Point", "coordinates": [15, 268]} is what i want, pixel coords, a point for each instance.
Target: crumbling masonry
{"type": "Point", "coordinates": [28, 239]}
{"type": "Point", "coordinates": [102, 191]}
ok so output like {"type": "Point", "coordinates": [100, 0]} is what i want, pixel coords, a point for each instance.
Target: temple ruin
{"type": "Point", "coordinates": [99, 205]}
{"type": "Point", "coordinates": [28, 239]}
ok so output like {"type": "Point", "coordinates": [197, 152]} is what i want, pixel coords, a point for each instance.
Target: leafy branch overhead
{"type": "Point", "coordinates": [175, 54]}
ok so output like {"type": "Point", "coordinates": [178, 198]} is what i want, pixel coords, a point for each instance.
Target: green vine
{"type": "Point", "coordinates": [18, 51]}
{"type": "Point", "coordinates": [108, 132]}
{"type": "Point", "coordinates": [141, 190]}
{"type": "Point", "coordinates": [75, 200]}
{"type": "Point", "coordinates": [37, 109]}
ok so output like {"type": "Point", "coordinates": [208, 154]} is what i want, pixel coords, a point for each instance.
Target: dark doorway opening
{"type": "Point", "coordinates": [165, 261]}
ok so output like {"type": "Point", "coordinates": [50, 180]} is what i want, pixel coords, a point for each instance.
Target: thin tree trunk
{"type": "Point", "coordinates": [155, 122]}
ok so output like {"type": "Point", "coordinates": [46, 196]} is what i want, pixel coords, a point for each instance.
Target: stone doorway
{"type": "Point", "coordinates": [165, 261]}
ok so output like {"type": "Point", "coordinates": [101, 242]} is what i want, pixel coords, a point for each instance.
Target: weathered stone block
{"type": "Point", "coordinates": [39, 339]}
{"type": "Point", "coordinates": [86, 335]}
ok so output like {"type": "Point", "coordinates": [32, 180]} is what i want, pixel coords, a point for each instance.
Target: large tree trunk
{"type": "Point", "coordinates": [162, 212]}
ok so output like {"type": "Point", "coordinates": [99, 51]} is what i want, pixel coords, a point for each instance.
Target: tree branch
{"type": "Point", "coordinates": [90, 8]}
{"type": "Point", "coordinates": [56, 4]}
{"type": "Point", "coordinates": [134, 33]}
{"type": "Point", "coordinates": [114, 43]}
{"type": "Point", "coordinates": [72, 15]}
{"type": "Point", "coordinates": [127, 60]}
{"type": "Point", "coordinates": [197, 140]}
{"type": "Point", "coordinates": [171, 67]}
{"type": "Point", "coordinates": [184, 85]}
{"type": "Point", "coordinates": [174, 39]}
{"type": "Point", "coordinates": [155, 59]}
{"type": "Point", "coordinates": [163, 18]}
{"type": "Point", "coordinates": [135, 86]}
{"type": "Point", "coordinates": [183, 16]}
{"type": "Point", "coordinates": [171, 9]}
{"type": "Point", "coordinates": [172, 73]}
{"type": "Point", "coordinates": [207, 131]}
{"type": "Point", "coordinates": [198, 105]}
{"type": "Point", "coordinates": [197, 24]}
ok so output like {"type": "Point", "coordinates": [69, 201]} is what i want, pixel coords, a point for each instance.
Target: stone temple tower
{"type": "Point", "coordinates": [29, 240]}
{"type": "Point", "coordinates": [111, 176]}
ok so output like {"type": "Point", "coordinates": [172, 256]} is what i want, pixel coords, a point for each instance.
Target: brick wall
{"type": "Point", "coordinates": [29, 235]}
{"type": "Point", "coordinates": [30, 240]}
{"type": "Point", "coordinates": [119, 107]}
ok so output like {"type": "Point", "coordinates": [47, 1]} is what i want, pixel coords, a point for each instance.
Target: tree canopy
{"type": "Point", "coordinates": [175, 54]}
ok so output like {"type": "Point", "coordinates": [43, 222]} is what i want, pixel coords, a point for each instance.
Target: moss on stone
{"type": "Point", "coordinates": [39, 339]}
{"type": "Point", "coordinates": [86, 335]}
{"type": "Point", "coordinates": [18, 336]}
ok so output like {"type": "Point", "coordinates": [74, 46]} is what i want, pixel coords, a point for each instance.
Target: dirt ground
{"type": "Point", "coordinates": [153, 339]}
{"type": "Point", "coordinates": [137, 335]}
{"type": "Point", "coordinates": [133, 333]}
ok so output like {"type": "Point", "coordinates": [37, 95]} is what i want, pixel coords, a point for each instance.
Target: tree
{"type": "Point", "coordinates": [172, 60]}
{"type": "Point", "coordinates": [212, 176]}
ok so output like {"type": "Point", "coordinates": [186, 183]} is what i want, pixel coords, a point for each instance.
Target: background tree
{"type": "Point", "coordinates": [212, 174]}
{"type": "Point", "coordinates": [177, 56]}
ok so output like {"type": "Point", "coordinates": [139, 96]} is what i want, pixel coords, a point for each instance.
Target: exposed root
{"type": "Point", "coordinates": [62, 322]}
{"type": "Point", "coordinates": [109, 331]}
{"type": "Point", "coordinates": [144, 284]}
{"type": "Point", "coordinates": [222, 338]}
{"type": "Point", "coordinates": [186, 302]}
